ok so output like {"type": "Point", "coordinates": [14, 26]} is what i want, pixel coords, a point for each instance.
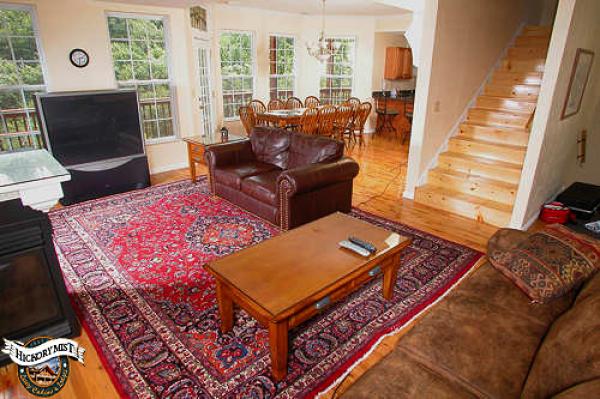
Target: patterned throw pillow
{"type": "Point", "coordinates": [548, 264]}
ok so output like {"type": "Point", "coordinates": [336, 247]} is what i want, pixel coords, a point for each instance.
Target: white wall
{"type": "Point", "coordinates": [551, 162]}
{"type": "Point", "coordinates": [69, 24]}
{"type": "Point", "coordinates": [469, 39]}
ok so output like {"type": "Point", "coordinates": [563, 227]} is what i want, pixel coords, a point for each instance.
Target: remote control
{"type": "Point", "coordinates": [362, 243]}
{"type": "Point", "coordinates": [355, 248]}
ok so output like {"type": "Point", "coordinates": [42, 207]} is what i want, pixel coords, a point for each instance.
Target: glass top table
{"type": "Point", "coordinates": [33, 176]}
{"type": "Point", "coordinates": [29, 166]}
{"type": "Point", "coordinates": [213, 139]}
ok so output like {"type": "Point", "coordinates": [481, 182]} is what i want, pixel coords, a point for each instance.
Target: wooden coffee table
{"type": "Point", "coordinates": [288, 279]}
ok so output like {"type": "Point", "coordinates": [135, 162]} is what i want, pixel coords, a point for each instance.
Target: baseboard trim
{"type": "Point", "coordinates": [168, 168]}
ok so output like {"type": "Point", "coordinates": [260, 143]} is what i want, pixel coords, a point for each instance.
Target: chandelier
{"type": "Point", "coordinates": [321, 50]}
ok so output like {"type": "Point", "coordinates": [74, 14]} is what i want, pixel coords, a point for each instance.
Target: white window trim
{"type": "Point", "coordinates": [354, 51]}
{"type": "Point", "coordinates": [254, 67]}
{"type": "Point", "coordinates": [32, 10]}
{"type": "Point", "coordinates": [168, 50]}
{"type": "Point", "coordinates": [295, 67]}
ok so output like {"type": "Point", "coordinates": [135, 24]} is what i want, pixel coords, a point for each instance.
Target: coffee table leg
{"type": "Point", "coordinates": [390, 275]}
{"type": "Point", "coordinates": [225, 308]}
{"type": "Point", "coordinates": [278, 341]}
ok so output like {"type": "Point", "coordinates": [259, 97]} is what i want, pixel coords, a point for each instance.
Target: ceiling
{"type": "Point", "coordinates": [309, 7]}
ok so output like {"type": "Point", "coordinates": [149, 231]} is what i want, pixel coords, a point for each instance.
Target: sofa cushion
{"type": "Point", "coordinates": [588, 389]}
{"type": "Point", "coordinates": [474, 337]}
{"type": "Point", "coordinates": [400, 376]}
{"type": "Point", "coordinates": [549, 263]}
{"type": "Point", "coordinates": [262, 187]}
{"type": "Point", "coordinates": [306, 150]}
{"type": "Point", "coordinates": [232, 175]}
{"type": "Point", "coordinates": [271, 145]}
{"type": "Point", "coordinates": [570, 353]}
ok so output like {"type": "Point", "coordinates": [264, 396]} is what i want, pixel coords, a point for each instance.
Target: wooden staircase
{"type": "Point", "coordinates": [479, 174]}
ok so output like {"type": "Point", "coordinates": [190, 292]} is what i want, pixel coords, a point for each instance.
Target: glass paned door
{"type": "Point", "coordinates": [204, 91]}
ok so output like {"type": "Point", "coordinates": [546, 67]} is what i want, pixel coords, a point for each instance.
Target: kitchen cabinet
{"type": "Point", "coordinates": [398, 63]}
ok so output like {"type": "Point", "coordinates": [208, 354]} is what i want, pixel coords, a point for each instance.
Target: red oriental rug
{"type": "Point", "coordinates": [133, 267]}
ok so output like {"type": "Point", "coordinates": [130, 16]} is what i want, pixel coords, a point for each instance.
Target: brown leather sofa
{"type": "Point", "coordinates": [487, 340]}
{"type": "Point", "coordinates": [284, 177]}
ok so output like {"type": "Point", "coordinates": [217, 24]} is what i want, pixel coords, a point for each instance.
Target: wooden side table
{"type": "Point", "coordinates": [196, 145]}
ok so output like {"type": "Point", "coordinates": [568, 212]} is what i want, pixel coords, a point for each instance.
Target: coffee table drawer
{"type": "Point", "coordinates": [339, 294]}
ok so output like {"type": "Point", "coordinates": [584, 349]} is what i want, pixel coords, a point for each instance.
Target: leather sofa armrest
{"type": "Point", "coordinates": [312, 177]}
{"type": "Point", "coordinates": [228, 154]}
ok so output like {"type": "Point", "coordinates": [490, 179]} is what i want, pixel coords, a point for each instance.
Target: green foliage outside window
{"type": "Point", "coordinates": [140, 62]}
{"type": "Point", "coordinates": [236, 71]}
{"type": "Point", "coordinates": [20, 77]}
{"type": "Point", "coordinates": [281, 59]}
{"type": "Point", "coordinates": [336, 81]}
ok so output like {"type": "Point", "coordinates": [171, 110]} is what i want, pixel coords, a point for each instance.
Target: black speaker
{"type": "Point", "coordinates": [105, 178]}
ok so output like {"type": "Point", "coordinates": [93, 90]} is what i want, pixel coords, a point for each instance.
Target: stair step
{"type": "Point", "coordinates": [494, 134]}
{"type": "Point", "coordinates": [477, 186]}
{"type": "Point", "coordinates": [508, 90]}
{"type": "Point", "coordinates": [489, 168]}
{"type": "Point", "coordinates": [483, 116]}
{"type": "Point", "coordinates": [502, 152]}
{"type": "Point", "coordinates": [486, 211]}
{"type": "Point", "coordinates": [532, 65]}
{"type": "Point", "coordinates": [506, 103]}
{"type": "Point", "coordinates": [531, 78]}
{"type": "Point", "coordinates": [527, 52]}
{"type": "Point", "coordinates": [532, 41]}
{"type": "Point", "coordinates": [537, 30]}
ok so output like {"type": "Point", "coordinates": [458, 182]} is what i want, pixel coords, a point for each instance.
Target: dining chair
{"type": "Point", "coordinates": [275, 105]}
{"type": "Point", "coordinates": [326, 120]}
{"type": "Point", "coordinates": [309, 123]}
{"type": "Point", "coordinates": [293, 103]}
{"type": "Point", "coordinates": [385, 115]}
{"type": "Point", "coordinates": [343, 120]}
{"type": "Point", "coordinates": [312, 102]}
{"type": "Point", "coordinates": [259, 108]}
{"type": "Point", "coordinates": [353, 101]}
{"type": "Point", "coordinates": [409, 108]}
{"type": "Point", "coordinates": [360, 120]}
{"type": "Point", "coordinates": [248, 118]}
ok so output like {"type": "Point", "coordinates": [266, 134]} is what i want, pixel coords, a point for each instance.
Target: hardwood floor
{"type": "Point", "coordinates": [378, 189]}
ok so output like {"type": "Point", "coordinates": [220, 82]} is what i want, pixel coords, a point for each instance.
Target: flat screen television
{"type": "Point", "coordinates": [86, 127]}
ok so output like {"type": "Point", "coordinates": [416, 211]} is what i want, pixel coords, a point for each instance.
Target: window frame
{"type": "Point", "coordinates": [170, 80]}
{"type": "Point", "coordinates": [353, 76]}
{"type": "Point", "coordinates": [253, 63]}
{"type": "Point", "coordinates": [295, 63]}
{"type": "Point", "coordinates": [32, 10]}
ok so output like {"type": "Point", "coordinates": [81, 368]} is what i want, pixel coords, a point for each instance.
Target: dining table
{"type": "Point", "coordinates": [281, 117]}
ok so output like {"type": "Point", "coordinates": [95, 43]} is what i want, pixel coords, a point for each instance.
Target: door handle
{"type": "Point", "coordinates": [4, 266]}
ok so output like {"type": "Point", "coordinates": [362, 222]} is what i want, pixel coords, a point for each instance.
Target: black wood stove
{"type": "Point", "coordinates": [33, 298]}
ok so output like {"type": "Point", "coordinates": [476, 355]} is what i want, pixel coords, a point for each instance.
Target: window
{"type": "Point", "coordinates": [20, 77]}
{"type": "Point", "coordinates": [336, 80]}
{"type": "Point", "coordinates": [140, 54]}
{"type": "Point", "coordinates": [281, 67]}
{"type": "Point", "coordinates": [237, 71]}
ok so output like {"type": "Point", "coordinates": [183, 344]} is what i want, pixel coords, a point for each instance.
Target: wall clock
{"type": "Point", "coordinates": [79, 58]}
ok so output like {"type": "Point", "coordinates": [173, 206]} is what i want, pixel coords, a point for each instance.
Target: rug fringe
{"type": "Point", "coordinates": [409, 323]}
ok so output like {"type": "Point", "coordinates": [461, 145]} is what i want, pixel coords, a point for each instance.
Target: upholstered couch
{"type": "Point", "coordinates": [284, 177]}
{"type": "Point", "coordinates": [487, 340]}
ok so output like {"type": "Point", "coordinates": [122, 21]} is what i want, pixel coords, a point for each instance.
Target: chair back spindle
{"type": "Point", "coordinates": [309, 123]}
{"type": "Point", "coordinates": [293, 103]}
{"type": "Point", "coordinates": [312, 102]}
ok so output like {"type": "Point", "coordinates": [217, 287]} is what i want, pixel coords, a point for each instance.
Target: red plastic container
{"type": "Point", "coordinates": [555, 212]}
